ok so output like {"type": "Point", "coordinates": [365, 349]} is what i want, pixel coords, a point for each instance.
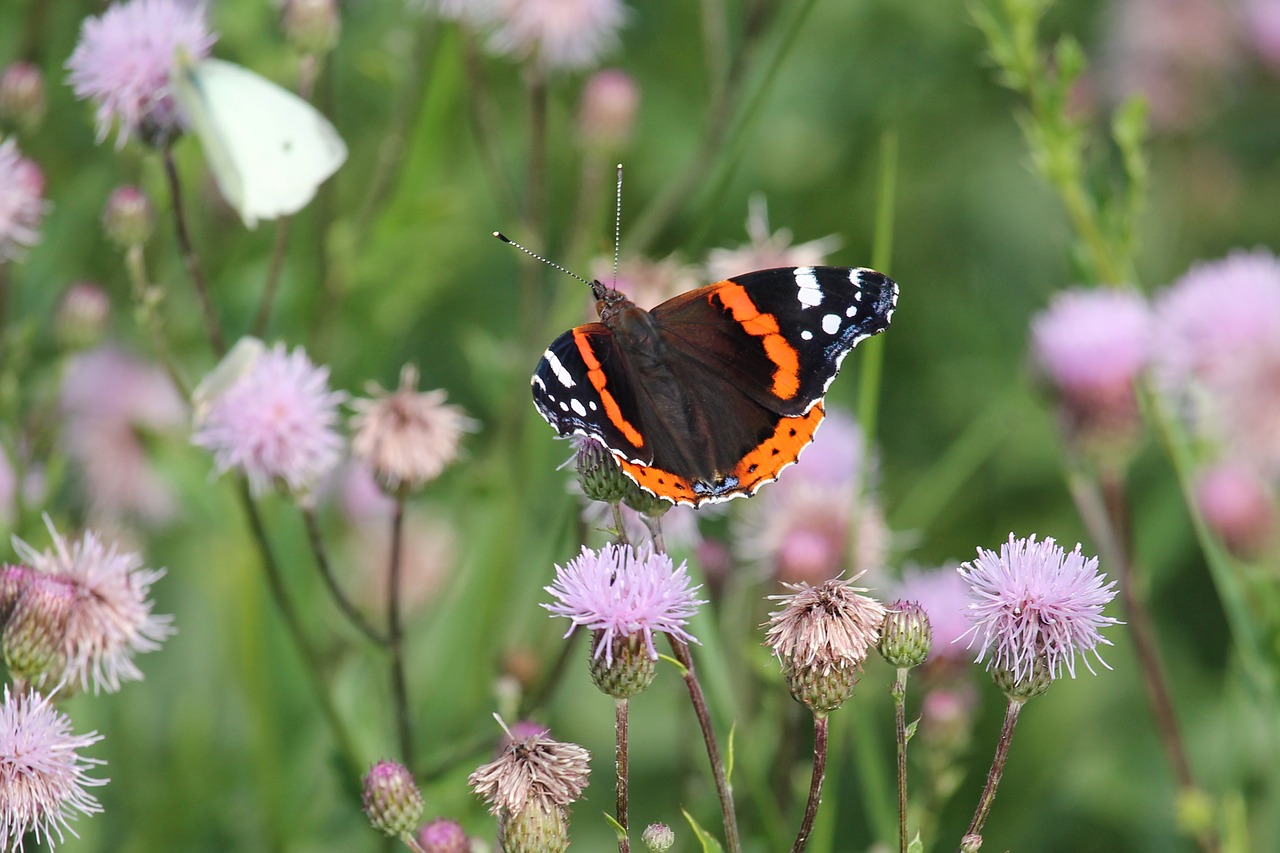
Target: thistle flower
{"type": "Point", "coordinates": [944, 595]}
{"type": "Point", "coordinates": [607, 111]}
{"type": "Point", "coordinates": [407, 438]}
{"type": "Point", "coordinates": [658, 837]}
{"type": "Point", "coordinates": [530, 787]}
{"type": "Point", "coordinates": [22, 202]}
{"type": "Point", "coordinates": [443, 836]}
{"type": "Point", "coordinates": [619, 592]}
{"type": "Point", "coordinates": [128, 218]}
{"type": "Point", "coordinates": [43, 777]}
{"type": "Point", "coordinates": [1092, 345]}
{"type": "Point", "coordinates": [392, 801]}
{"type": "Point", "coordinates": [123, 61]}
{"type": "Point", "coordinates": [821, 635]}
{"type": "Point", "coordinates": [557, 34]}
{"type": "Point", "coordinates": [767, 249]}
{"type": "Point", "coordinates": [22, 96]}
{"type": "Point", "coordinates": [273, 419]}
{"type": "Point", "coordinates": [81, 317]}
{"type": "Point", "coordinates": [1237, 507]}
{"type": "Point", "coordinates": [1034, 608]}
{"type": "Point", "coordinates": [110, 401]}
{"type": "Point", "coordinates": [905, 637]}
{"type": "Point", "coordinates": [111, 617]}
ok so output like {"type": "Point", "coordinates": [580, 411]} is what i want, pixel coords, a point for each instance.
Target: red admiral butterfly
{"type": "Point", "coordinates": [712, 393]}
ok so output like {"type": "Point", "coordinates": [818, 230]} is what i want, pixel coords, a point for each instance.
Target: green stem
{"type": "Point", "coordinates": [190, 259]}
{"type": "Point", "coordinates": [316, 540]}
{"type": "Point", "coordinates": [899, 693]}
{"type": "Point", "coordinates": [820, 724]}
{"type": "Point", "coordinates": [620, 771]}
{"type": "Point", "coordinates": [395, 636]}
{"type": "Point", "coordinates": [973, 835]}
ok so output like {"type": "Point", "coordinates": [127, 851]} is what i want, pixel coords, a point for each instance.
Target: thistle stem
{"type": "Point", "coordinates": [820, 725]}
{"type": "Point", "coordinates": [271, 285]}
{"type": "Point", "coordinates": [681, 650]}
{"type": "Point", "coordinates": [395, 635]}
{"type": "Point", "coordinates": [973, 836]}
{"type": "Point", "coordinates": [190, 259]}
{"type": "Point", "coordinates": [899, 692]}
{"type": "Point", "coordinates": [621, 771]}
{"type": "Point", "coordinates": [331, 581]}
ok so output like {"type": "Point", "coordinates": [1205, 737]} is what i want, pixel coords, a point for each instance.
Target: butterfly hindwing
{"type": "Point", "coordinates": [780, 334]}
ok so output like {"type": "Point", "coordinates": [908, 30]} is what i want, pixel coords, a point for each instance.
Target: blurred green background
{"type": "Point", "coordinates": [221, 746]}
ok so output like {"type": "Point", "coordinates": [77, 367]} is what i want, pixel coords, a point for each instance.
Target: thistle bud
{"type": "Point", "coordinates": [598, 474]}
{"type": "Point", "coordinates": [311, 26]}
{"type": "Point", "coordinates": [36, 627]}
{"type": "Point", "coordinates": [1029, 686]}
{"type": "Point", "coordinates": [128, 218]}
{"type": "Point", "coordinates": [80, 320]}
{"type": "Point", "coordinates": [392, 800]}
{"type": "Point", "coordinates": [22, 98]}
{"type": "Point", "coordinates": [607, 112]}
{"type": "Point", "coordinates": [630, 671]}
{"type": "Point", "coordinates": [658, 837]}
{"type": "Point", "coordinates": [906, 636]}
{"type": "Point", "coordinates": [443, 836]}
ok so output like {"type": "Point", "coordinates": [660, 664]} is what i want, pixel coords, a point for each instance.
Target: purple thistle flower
{"type": "Point", "coordinates": [567, 34]}
{"type": "Point", "coordinates": [21, 201]}
{"type": "Point", "coordinates": [274, 421]}
{"type": "Point", "coordinates": [1035, 601]}
{"type": "Point", "coordinates": [1093, 343]}
{"type": "Point", "coordinates": [123, 61]}
{"type": "Point", "coordinates": [42, 776]}
{"type": "Point", "coordinates": [111, 617]}
{"type": "Point", "coordinates": [620, 593]}
{"type": "Point", "coordinates": [944, 596]}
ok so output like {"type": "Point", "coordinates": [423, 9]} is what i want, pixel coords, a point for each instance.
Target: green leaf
{"type": "Point", "coordinates": [708, 841]}
{"type": "Point", "coordinates": [618, 829]}
{"type": "Point", "coordinates": [915, 845]}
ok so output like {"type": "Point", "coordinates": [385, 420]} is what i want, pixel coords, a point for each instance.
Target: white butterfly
{"type": "Point", "coordinates": [268, 149]}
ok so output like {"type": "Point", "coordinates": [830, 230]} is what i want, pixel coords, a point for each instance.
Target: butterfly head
{"type": "Point", "coordinates": [609, 301]}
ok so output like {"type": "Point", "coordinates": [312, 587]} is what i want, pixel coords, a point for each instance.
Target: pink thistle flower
{"type": "Point", "coordinates": [274, 421]}
{"type": "Point", "coordinates": [43, 777]}
{"type": "Point", "coordinates": [944, 595]}
{"type": "Point", "coordinates": [1262, 29]}
{"type": "Point", "coordinates": [607, 111]}
{"type": "Point", "coordinates": [123, 61]}
{"type": "Point", "coordinates": [767, 249]}
{"type": "Point", "coordinates": [111, 618]}
{"type": "Point", "coordinates": [111, 401]}
{"type": "Point", "coordinates": [645, 282]}
{"type": "Point", "coordinates": [1092, 344]}
{"type": "Point", "coordinates": [22, 202]}
{"type": "Point", "coordinates": [1237, 507]}
{"type": "Point", "coordinates": [392, 800]}
{"type": "Point", "coordinates": [557, 34]}
{"type": "Point", "coordinates": [1033, 603]}
{"type": "Point", "coordinates": [619, 592]}
{"type": "Point", "coordinates": [443, 836]}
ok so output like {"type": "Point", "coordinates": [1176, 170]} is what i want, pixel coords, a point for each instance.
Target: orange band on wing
{"type": "Point", "coordinates": [786, 373]}
{"type": "Point", "coordinates": [597, 377]}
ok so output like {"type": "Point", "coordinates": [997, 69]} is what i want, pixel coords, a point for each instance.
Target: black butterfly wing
{"type": "Point", "coordinates": [780, 335]}
{"type": "Point", "coordinates": [581, 386]}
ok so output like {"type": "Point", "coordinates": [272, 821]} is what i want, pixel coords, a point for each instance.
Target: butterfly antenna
{"type": "Point", "coordinates": [504, 238]}
{"type": "Point", "coordinates": [617, 228]}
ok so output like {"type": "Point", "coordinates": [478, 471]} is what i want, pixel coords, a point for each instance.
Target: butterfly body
{"type": "Point", "coordinates": [711, 394]}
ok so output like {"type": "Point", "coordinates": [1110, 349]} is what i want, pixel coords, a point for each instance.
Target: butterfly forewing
{"type": "Point", "coordinates": [582, 387]}
{"type": "Point", "coordinates": [780, 334]}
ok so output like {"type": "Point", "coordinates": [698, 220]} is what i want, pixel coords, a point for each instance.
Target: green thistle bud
{"type": "Point", "coordinates": [311, 26]}
{"type": "Point", "coordinates": [80, 320]}
{"type": "Point", "coordinates": [13, 580]}
{"type": "Point", "coordinates": [1031, 685]}
{"type": "Point", "coordinates": [392, 800]}
{"type": "Point", "coordinates": [599, 475]}
{"type": "Point", "coordinates": [37, 626]}
{"type": "Point", "coordinates": [658, 837]}
{"type": "Point", "coordinates": [906, 636]}
{"type": "Point", "coordinates": [645, 503]}
{"type": "Point", "coordinates": [632, 670]}
{"type": "Point", "coordinates": [128, 218]}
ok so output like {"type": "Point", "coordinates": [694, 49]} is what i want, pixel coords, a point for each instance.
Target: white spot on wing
{"type": "Point", "coordinates": [830, 324]}
{"type": "Point", "coordinates": [578, 408]}
{"type": "Point", "coordinates": [851, 311]}
{"type": "Point", "coordinates": [537, 381]}
{"type": "Point", "coordinates": [807, 289]}
{"type": "Point", "coordinates": [566, 379]}
{"type": "Point", "coordinates": [806, 335]}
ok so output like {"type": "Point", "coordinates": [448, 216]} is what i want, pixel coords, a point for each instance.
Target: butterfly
{"type": "Point", "coordinates": [711, 394]}
{"type": "Point", "coordinates": [268, 149]}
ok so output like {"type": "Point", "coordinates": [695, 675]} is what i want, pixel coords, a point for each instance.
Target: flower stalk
{"type": "Point", "coordinates": [820, 730]}
{"type": "Point", "coordinates": [972, 840]}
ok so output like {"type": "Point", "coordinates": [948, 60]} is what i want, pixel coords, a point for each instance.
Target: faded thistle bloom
{"type": "Point", "coordinates": [809, 526]}
{"type": "Point", "coordinates": [22, 96]}
{"type": "Point", "coordinates": [1238, 507]}
{"type": "Point", "coordinates": [767, 249]}
{"type": "Point", "coordinates": [22, 202]}
{"type": "Point", "coordinates": [530, 787]}
{"type": "Point", "coordinates": [624, 596]}
{"type": "Point", "coordinates": [1034, 607]}
{"type": "Point", "coordinates": [111, 617]}
{"type": "Point", "coordinates": [82, 315]}
{"type": "Point", "coordinates": [270, 415]}
{"type": "Point", "coordinates": [392, 801]}
{"type": "Point", "coordinates": [443, 836]}
{"type": "Point", "coordinates": [43, 777]}
{"type": "Point", "coordinates": [1225, 372]}
{"type": "Point", "coordinates": [1091, 346]}
{"type": "Point", "coordinates": [123, 60]}
{"type": "Point", "coordinates": [557, 34]}
{"type": "Point", "coordinates": [408, 437]}
{"type": "Point", "coordinates": [821, 635]}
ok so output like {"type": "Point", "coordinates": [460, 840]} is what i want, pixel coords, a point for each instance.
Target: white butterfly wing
{"type": "Point", "coordinates": [268, 149]}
